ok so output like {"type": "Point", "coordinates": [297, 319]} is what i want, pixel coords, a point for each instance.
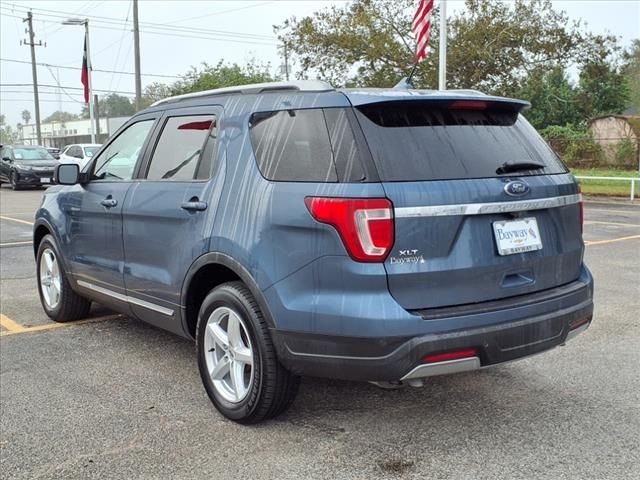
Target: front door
{"type": "Point", "coordinates": [94, 212]}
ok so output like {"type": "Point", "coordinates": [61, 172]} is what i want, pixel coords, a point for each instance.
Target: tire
{"type": "Point", "coordinates": [13, 180]}
{"type": "Point", "coordinates": [268, 389]}
{"type": "Point", "coordinates": [67, 305]}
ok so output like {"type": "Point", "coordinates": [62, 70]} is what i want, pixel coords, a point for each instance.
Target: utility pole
{"type": "Point", "coordinates": [96, 110]}
{"type": "Point", "coordinates": [286, 62]}
{"type": "Point", "coordinates": [136, 48]}
{"type": "Point", "coordinates": [34, 72]}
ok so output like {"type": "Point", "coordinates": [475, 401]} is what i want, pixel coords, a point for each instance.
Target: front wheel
{"type": "Point", "coordinates": [58, 300]}
{"type": "Point", "coordinates": [236, 358]}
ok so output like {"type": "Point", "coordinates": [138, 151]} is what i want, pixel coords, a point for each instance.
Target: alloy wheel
{"type": "Point", "coordinates": [50, 279]}
{"type": "Point", "coordinates": [229, 354]}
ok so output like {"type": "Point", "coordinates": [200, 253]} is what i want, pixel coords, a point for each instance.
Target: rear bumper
{"type": "Point", "coordinates": [497, 335]}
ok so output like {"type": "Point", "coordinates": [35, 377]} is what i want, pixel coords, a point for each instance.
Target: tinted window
{"type": "Point", "coordinates": [345, 147]}
{"type": "Point", "coordinates": [118, 160]}
{"type": "Point", "coordinates": [413, 141]}
{"type": "Point", "coordinates": [177, 153]}
{"type": "Point", "coordinates": [293, 145]}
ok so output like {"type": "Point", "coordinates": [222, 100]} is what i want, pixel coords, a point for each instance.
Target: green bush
{"type": "Point", "coordinates": [574, 144]}
{"type": "Point", "coordinates": [626, 152]}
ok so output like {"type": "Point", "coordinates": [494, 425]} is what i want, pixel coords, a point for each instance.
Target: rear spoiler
{"type": "Point", "coordinates": [463, 99]}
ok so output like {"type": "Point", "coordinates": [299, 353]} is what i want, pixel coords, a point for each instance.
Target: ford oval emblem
{"type": "Point", "coordinates": [516, 188]}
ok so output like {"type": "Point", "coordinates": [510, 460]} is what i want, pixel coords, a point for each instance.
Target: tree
{"type": "Point", "coordinates": [60, 116]}
{"type": "Point", "coordinates": [7, 135]}
{"type": "Point", "coordinates": [552, 96]}
{"type": "Point", "coordinates": [602, 88]}
{"type": "Point", "coordinates": [208, 77]}
{"type": "Point", "coordinates": [493, 45]}
{"type": "Point", "coordinates": [155, 91]}
{"type": "Point", "coordinates": [26, 116]}
{"type": "Point", "coordinates": [113, 105]}
{"type": "Point", "coordinates": [631, 69]}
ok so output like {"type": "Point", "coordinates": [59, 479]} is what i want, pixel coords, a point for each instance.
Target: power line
{"type": "Point", "coordinates": [67, 67]}
{"type": "Point", "coordinates": [61, 86]}
{"type": "Point", "coordinates": [158, 28]}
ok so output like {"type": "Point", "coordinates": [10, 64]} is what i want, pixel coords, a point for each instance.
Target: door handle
{"type": "Point", "coordinates": [194, 205]}
{"type": "Point", "coordinates": [109, 202]}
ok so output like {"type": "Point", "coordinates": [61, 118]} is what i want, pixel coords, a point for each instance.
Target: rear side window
{"type": "Point", "coordinates": [416, 141]}
{"type": "Point", "coordinates": [293, 145]}
{"type": "Point", "coordinates": [178, 150]}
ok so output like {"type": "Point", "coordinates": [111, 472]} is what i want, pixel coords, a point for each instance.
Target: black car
{"type": "Point", "coordinates": [25, 165]}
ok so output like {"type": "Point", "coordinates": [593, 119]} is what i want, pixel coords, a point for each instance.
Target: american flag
{"type": "Point", "coordinates": [421, 28]}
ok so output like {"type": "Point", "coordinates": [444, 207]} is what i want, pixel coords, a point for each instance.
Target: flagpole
{"type": "Point", "coordinates": [89, 70]}
{"type": "Point", "coordinates": [442, 68]}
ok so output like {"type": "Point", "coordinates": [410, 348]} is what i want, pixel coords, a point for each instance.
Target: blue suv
{"type": "Point", "coordinates": [294, 229]}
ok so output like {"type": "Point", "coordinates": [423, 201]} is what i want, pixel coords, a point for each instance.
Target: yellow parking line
{"type": "Point", "coordinates": [621, 239]}
{"type": "Point", "coordinates": [17, 220]}
{"type": "Point", "coordinates": [51, 326]}
{"type": "Point", "coordinates": [597, 222]}
{"type": "Point", "coordinates": [15, 244]}
{"type": "Point", "coordinates": [9, 324]}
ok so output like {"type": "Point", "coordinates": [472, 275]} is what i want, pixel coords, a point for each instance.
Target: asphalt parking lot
{"type": "Point", "coordinates": [110, 397]}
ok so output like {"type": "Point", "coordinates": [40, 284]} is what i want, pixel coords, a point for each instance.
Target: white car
{"type": "Point", "coordinates": [79, 153]}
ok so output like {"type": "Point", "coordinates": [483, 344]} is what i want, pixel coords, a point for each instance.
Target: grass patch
{"type": "Point", "coordinates": [607, 187]}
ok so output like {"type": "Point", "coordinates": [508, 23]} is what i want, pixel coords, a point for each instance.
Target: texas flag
{"type": "Point", "coordinates": [84, 75]}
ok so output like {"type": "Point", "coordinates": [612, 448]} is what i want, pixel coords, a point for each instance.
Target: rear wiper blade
{"type": "Point", "coordinates": [509, 167]}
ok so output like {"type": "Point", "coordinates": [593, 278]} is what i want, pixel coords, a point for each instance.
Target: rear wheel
{"type": "Point", "coordinates": [58, 300]}
{"type": "Point", "coordinates": [237, 360]}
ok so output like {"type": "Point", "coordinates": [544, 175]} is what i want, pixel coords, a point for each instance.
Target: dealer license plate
{"type": "Point", "coordinates": [517, 236]}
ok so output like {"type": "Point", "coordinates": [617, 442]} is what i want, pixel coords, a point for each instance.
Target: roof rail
{"type": "Point", "coordinates": [297, 85]}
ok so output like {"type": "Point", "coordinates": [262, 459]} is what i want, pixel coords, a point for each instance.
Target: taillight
{"type": "Point", "coordinates": [468, 105]}
{"type": "Point", "coordinates": [365, 225]}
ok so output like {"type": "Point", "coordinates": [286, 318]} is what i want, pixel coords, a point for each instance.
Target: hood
{"type": "Point", "coordinates": [36, 163]}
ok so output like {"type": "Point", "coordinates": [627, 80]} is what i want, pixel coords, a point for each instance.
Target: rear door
{"type": "Point", "coordinates": [483, 208]}
{"type": "Point", "coordinates": [169, 212]}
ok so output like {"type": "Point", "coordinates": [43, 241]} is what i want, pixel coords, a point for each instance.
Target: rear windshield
{"type": "Point", "coordinates": [417, 141]}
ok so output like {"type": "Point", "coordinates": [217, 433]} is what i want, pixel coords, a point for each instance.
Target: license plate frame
{"type": "Point", "coordinates": [520, 235]}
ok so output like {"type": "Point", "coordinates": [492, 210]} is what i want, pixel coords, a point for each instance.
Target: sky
{"type": "Point", "coordinates": [244, 31]}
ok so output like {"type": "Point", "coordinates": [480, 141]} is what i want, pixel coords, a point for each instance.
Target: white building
{"type": "Point", "coordinates": [59, 134]}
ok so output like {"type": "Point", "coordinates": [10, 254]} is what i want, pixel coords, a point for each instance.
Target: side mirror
{"type": "Point", "coordinates": [6, 159]}
{"type": "Point", "coordinates": [67, 174]}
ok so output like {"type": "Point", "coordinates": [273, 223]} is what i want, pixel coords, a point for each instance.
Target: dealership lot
{"type": "Point", "coordinates": [112, 397]}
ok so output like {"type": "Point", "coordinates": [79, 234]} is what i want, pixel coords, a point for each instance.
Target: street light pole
{"type": "Point", "coordinates": [85, 22]}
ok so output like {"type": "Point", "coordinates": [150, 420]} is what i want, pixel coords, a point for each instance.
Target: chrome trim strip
{"type": "Point", "coordinates": [443, 368]}
{"type": "Point", "coordinates": [126, 298]}
{"type": "Point", "coordinates": [487, 208]}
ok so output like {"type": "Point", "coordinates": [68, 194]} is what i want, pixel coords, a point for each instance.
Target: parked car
{"type": "Point", "coordinates": [293, 229]}
{"type": "Point", "coordinates": [54, 151]}
{"type": "Point", "coordinates": [25, 165]}
{"type": "Point", "coordinates": [79, 153]}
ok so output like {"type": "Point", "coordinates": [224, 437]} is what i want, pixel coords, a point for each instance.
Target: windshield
{"type": "Point", "coordinates": [416, 141]}
{"type": "Point", "coordinates": [89, 151]}
{"type": "Point", "coordinates": [32, 154]}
